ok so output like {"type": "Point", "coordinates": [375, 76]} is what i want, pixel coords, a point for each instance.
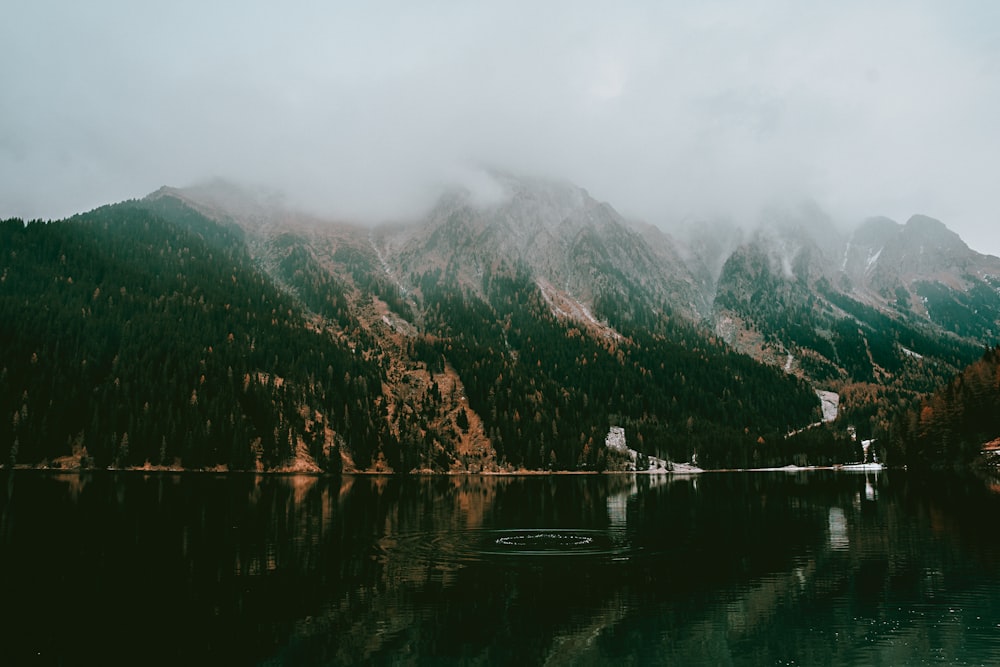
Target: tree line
{"type": "Point", "coordinates": [146, 332]}
{"type": "Point", "coordinates": [142, 332]}
{"type": "Point", "coordinates": [950, 426]}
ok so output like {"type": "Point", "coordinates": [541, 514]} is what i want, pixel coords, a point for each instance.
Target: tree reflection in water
{"type": "Point", "coordinates": [722, 568]}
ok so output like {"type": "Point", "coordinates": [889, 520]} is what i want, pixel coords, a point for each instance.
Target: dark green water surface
{"type": "Point", "coordinates": [810, 568]}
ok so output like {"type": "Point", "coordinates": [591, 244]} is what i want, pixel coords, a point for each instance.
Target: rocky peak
{"type": "Point", "coordinates": [875, 232]}
{"type": "Point", "coordinates": [920, 229]}
{"type": "Point", "coordinates": [560, 233]}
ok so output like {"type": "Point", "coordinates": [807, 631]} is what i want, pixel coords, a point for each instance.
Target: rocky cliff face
{"type": "Point", "coordinates": [883, 259]}
{"type": "Point", "coordinates": [582, 247]}
{"type": "Point", "coordinates": [794, 268]}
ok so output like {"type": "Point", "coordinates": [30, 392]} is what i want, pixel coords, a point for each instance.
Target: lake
{"type": "Point", "coordinates": [762, 568]}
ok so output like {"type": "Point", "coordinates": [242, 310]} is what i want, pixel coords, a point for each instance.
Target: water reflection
{"type": "Point", "coordinates": [816, 567]}
{"type": "Point", "coordinates": [839, 540]}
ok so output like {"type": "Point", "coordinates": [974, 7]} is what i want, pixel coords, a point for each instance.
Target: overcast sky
{"type": "Point", "coordinates": [667, 110]}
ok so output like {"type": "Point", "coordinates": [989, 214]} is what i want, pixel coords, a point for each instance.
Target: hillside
{"type": "Point", "coordinates": [214, 327]}
{"type": "Point", "coordinates": [956, 424]}
{"type": "Point", "coordinates": [142, 334]}
{"type": "Point", "coordinates": [881, 314]}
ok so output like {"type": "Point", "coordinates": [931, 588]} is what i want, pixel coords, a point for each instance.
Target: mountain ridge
{"type": "Point", "coordinates": [510, 328]}
{"type": "Point", "coordinates": [824, 276]}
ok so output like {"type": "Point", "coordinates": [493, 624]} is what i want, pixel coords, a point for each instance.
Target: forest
{"type": "Point", "coordinates": [128, 338]}
{"type": "Point", "coordinates": [540, 380]}
{"type": "Point", "coordinates": [951, 426]}
{"type": "Point", "coordinates": [145, 334]}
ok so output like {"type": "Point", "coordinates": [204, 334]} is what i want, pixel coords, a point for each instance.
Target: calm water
{"type": "Point", "coordinates": [815, 568]}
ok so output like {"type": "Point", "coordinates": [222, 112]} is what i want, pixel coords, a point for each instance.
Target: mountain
{"type": "Point", "coordinates": [925, 270]}
{"type": "Point", "coordinates": [142, 334]}
{"type": "Point", "coordinates": [499, 332]}
{"type": "Point", "coordinates": [879, 314]}
{"type": "Point", "coordinates": [575, 246]}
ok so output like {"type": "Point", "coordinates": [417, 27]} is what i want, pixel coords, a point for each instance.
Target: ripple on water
{"type": "Point", "coordinates": [476, 545]}
{"type": "Point", "coordinates": [551, 542]}
{"type": "Point", "coordinates": [546, 541]}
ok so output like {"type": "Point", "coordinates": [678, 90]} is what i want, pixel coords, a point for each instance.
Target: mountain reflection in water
{"type": "Point", "coordinates": [813, 567]}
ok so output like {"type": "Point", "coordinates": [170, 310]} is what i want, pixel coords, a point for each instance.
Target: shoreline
{"type": "Point", "coordinates": [686, 472]}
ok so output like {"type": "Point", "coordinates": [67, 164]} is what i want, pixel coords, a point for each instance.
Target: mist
{"type": "Point", "coordinates": [668, 111]}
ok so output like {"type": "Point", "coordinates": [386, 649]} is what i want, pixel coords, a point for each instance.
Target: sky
{"type": "Point", "coordinates": [669, 111]}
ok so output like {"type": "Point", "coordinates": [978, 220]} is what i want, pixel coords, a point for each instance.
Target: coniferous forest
{"type": "Point", "coordinates": [148, 334]}
{"type": "Point", "coordinates": [138, 340]}
{"type": "Point", "coordinates": [950, 426]}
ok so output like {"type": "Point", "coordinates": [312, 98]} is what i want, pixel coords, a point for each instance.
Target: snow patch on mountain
{"type": "Point", "coordinates": [872, 258]}
{"type": "Point", "coordinates": [384, 264]}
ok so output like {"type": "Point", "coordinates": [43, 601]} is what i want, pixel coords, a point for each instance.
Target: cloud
{"type": "Point", "coordinates": [667, 110]}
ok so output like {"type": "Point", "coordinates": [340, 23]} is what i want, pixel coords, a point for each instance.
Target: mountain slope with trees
{"type": "Point", "coordinates": [204, 327]}
{"type": "Point", "coordinates": [131, 339]}
{"type": "Point", "coordinates": [145, 333]}
{"type": "Point", "coordinates": [880, 316]}
{"type": "Point", "coordinates": [953, 425]}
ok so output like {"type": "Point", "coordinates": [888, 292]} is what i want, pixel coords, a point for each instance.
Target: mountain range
{"type": "Point", "coordinates": [508, 331]}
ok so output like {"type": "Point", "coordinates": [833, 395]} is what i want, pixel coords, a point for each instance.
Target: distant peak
{"type": "Point", "coordinates": [163, 191]}
{"type": "Point", "coordinates": [482, 187]}
{"type": "Point", "coordinates": [489, 189]}
{"type": "Point", "coordinates": [921, 222]}
{"type": "Point", "coordinates": [880, 222]}
{"type": "Point", "coordinates": [876, 231]}
{"type": "Point", "coordinates": [224, 195]}
{"type": "Point", "coordinates": [927, 227]}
